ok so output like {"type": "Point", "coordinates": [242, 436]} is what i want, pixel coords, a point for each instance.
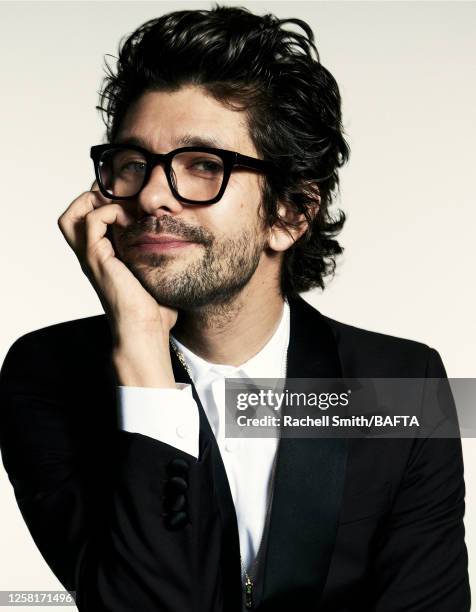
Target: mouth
{"type": "Point", "coordinates": [159, 243]}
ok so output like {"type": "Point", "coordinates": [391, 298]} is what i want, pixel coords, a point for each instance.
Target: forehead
{"type": "Point", "coordinates": [162, 121]}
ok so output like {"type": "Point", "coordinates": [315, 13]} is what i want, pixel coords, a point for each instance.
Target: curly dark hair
{"type": "Point", "coordinates": [293, 108]}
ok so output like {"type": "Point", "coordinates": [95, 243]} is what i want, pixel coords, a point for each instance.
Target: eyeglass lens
{"type": "Point", "coordinates": [195, 175]}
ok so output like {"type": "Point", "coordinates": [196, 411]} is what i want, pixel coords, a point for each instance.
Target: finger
{"type": "Point", "coordinates": [99, 248]}
{"type": "Point", "coordinates": [101, 198]}
{"type": "Point", "coordinates": [71, 222]}
{"type": "Point", "coordinates": [97, 243]}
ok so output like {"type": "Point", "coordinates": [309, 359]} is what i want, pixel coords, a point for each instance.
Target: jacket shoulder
{"type": "Point", "coordinates": [57, 350]}
{"type": "Point", "coordinates": [365, 352]}
{"type": "Point", "coordinates": [93, 329]}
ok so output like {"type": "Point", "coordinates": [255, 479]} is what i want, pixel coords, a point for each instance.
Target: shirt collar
{"type": "Point", "coordinates": [269, 362]}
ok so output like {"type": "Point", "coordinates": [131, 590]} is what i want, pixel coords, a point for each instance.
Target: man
{"type": "Point", "coordinates": [209, 215]}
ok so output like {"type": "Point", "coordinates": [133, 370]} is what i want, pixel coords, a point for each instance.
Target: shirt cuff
{"type": "Point", "coordinates": [168, 415]}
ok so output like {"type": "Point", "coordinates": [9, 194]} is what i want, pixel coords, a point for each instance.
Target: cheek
{"type": "Point", "coordinates": [228, 221]}
{"type": "Point", "coordinates": [238, 208]}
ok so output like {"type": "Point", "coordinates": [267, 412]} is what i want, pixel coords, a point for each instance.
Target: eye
{"type": "Point", "coordinates": [133, 167]}
{"type": "Point", "coordinates": [207, 166]}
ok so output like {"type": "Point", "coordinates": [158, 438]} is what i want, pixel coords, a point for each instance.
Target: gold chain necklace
{"type": "Point", "coordinates": [180, 357]}
{"type": "Point", "coordinates": [248, 585]}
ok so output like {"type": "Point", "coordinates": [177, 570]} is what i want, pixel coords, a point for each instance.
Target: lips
{"type": "Point", "coordinates": [158, 239]}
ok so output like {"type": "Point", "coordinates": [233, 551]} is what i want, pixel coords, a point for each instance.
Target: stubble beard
{"type": "Point", "coordinates": [214, 279]}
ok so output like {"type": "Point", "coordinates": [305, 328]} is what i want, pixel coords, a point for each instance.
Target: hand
{"type": "Point", "coordinates": [125, 301]}
{"type": "Point", "coordinates": [140, 325]}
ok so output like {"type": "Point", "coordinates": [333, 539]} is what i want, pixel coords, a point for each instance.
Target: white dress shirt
{"type": "Point", "coordinates": [171, 416]}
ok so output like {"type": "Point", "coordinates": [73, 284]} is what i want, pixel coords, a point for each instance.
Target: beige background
{"type": "Point", "coordinates": [406, 72]}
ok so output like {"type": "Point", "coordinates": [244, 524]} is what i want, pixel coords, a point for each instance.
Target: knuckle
{"type": "Point", "coordinates": [90, 218]}
{"type": "Point", "coordinates": [64, 215]}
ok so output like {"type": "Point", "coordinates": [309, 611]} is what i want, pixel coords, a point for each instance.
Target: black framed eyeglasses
{"type": "Point", "coordinates": [196, 175]}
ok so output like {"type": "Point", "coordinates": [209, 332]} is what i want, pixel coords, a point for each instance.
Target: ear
{"type": "Point", "coordinates": [291, 225]}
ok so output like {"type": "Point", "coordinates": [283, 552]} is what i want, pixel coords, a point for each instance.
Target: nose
{"type": "Point", "coordinates": [156, 197]}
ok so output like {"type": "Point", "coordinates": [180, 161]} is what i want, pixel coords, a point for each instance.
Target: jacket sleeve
{"type": "Point", "coordinates": [421, 565]}
{"type": "Point", "coordinates": [129, 544]}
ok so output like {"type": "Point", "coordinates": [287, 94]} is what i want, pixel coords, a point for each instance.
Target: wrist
{"type": "Point", "coordinates": [143, 362]}
{"type": "Point", "coordinates": [126, 333]}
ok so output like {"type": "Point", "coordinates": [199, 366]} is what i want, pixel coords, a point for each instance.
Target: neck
{"type": "Point", "coordinates": [230, 333]}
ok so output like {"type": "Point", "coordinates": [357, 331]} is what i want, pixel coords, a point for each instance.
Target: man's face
{"type": "Point", "coordinates": [227, 239]}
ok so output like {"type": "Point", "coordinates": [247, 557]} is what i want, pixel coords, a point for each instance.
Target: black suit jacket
{"type": "Point", "coordinates": [356, 525]}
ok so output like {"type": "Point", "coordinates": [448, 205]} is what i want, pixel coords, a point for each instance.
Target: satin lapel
{"type": "Point", "coordinates": [310, 474]}
{"type": "Point", "coordinates": [230, 559]}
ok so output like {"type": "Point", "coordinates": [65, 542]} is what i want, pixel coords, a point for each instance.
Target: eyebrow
{"type": "Point", "coordinates": [186, 140]}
